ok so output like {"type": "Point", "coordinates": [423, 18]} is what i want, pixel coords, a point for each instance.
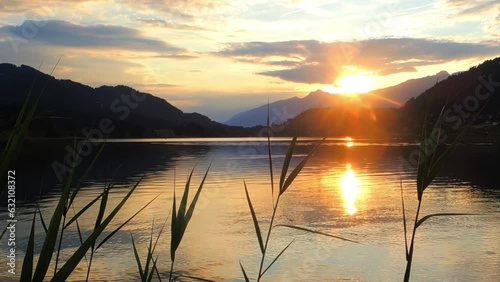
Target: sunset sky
{"type": "Point", "coordinates": [220, 57]}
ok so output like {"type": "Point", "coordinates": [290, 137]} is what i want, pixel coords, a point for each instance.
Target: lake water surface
{"type": "Point", "coordinates": [349, 188]}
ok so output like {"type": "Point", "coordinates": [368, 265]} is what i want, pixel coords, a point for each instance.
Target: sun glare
{"type": "Point", "coordinates": [355, 83]}
{"type": "Point", "coordinates": [351, 84]}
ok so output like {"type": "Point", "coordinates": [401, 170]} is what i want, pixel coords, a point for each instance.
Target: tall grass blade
{"type": "Point", "coordinates": [244, 273]}
{"type": "Point", "coordinates": [98, 220]}
{"type": "Point", "coordinates": [65, 210]}
{"type": "Point", "coordinates": [83, 210]}
{"type": "Point", "coordinates": [183, 204]}
{"type": "Point", "coordinates": [276, 258]}
{"type": "Point", "coordinates": [24, 108]}
{"type": "Point", "coordinates": [150, 253]}
{"type": "Point", "coordinates": [85, 175]}
{"type": "Point", "coordinates": [423, 219]}
{"type": "Point", "coordinates": [255, 221]}
{"type": "Point", "coordinates": [299, 168]}
{"type": "Point", "coordinates": [41, 218]}
{"type": "Point", "coordinates": [153, 270]}
{"type": "Point", "coordinates": [181, 218]}
{"type": "Point", "coordinates": [137, 259]}
{"type": "Point", "coordinates": [157, 271]}
{"type": "Point", "coordinates": [51, 236]}
{"type": "Point", "coordinates": [125, 223]}
{"type": "Point", "coordinates": [73, 261]}
{"type": "Point", "coordinates": [437, 165]}
{"type": "Point", "coordinates": [102, 206]}
{"type": "Point", "coordinates": [20, 131]}
{"type": "Point", "coordinates": [3, 232]}
{"type": "Point", "coordinates": [193, 277]}
{"type": "Point", "coordinates": [404, 218]}
{"type": "Point", "coordinates": [316, 232]}
{"type": "Point", "coordinates": [286, 163]}
{"type": "Point", "coordinates": [173, 232]}
{"type": "Point", "coordinates": [80, 237]}
{"type": "Point", "coordinates": [428, 148]}
{"type": "Point", "coordinates": [27, 269]}
{"type": "Point", "coordinates": [270, 153]}
{"type": "Point", "coordinates": [190, 211]}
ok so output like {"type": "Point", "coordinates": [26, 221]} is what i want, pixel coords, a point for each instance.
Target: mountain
{"type": "Point", "coordinates": [285, 109]}
{"type": "Point", "coordinates": [403, 92]}
{"type": "Point", "coordinates": [66, 108]}
{"type": "Point", "coordinates": [464, 95]}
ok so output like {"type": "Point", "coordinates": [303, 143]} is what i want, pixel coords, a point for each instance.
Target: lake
{"type": "Point", "coordinates": [349, 188]}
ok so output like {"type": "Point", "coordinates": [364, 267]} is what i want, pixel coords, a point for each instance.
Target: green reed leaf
{"type": "Point", "coordinates": [244, 273]}
{"type": "Point", "coordinates": [54, 225]}
{"type": "Point", "coordinates": [255, 221]}
{"type": "Point", "coordinates": [85, 175]}
{"type": "Point", "coordinates": [286, 163]}
{"type": "Point", "coordinates": [299, 168]}
{"type": "Point", "coordinates": [270, 153]}
{"type": "Point", "coordinates": [404, 218]}
{"type": "Point", "coordinates": [83, 210]}
{"type": "Point", "coordinates": [276, 258]}
{"type": "Point", "coordinates": [27, 269]}
{"type": "Point", "coordinates": [190, 211]}
{"type": "Point", "coordinates": [423, 219]}
{"type": "Point", "coordinates": [173, 232]}
{"type": "Point", "coordinates": [125, 223]}
{"type": "Point", "coordinates": [137, 259]}
{"type": "Point", "coordinates": [316, 232]}
{"type": "Point", "coordinates": [153, 270]}
{"type": "Point", "coordinates": [73, 261]}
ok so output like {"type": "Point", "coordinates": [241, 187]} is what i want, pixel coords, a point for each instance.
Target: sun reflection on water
{"type": "Point", "coordinates": [349, 141]}
{"type": "Point", "coordinates": [350, 190]}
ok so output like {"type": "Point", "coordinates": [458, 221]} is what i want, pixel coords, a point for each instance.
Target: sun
{"type": "Point", "coordinates": [351, 84]}
{"type": "Point", "coordinates": [355, 83]}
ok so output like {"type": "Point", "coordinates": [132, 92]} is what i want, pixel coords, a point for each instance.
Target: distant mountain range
{"type": "Point", "coordinates": [474, 93]}
{"type": "Point", "coordinates": [66, 108]}
{"type": "Point", "coordinates": [283, 110]}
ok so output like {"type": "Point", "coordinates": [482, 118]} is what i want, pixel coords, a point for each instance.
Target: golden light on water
{"type": "Point", "coordinates": [346, 188]}
{"type": "Point", "coordinates": [350, 190]}
{"type": "Point", "coordinates": [349, 141]}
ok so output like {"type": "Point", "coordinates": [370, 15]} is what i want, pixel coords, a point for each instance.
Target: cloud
{"type": "Point", "coordinates": [306, 74]}
{"type": "Point", "coordinates": [486, 13]}
{"type": "Point", "coordinates": [322, 62]}
{"type": "Point", "coordinates": [181, 55]}
{"type": "Point", "coordinates": [466, 7]}
{"type": "Point", "coordinates": [169, 24]}
{"type": "Point", "coordinates": [66, 34]}
{"type": "Point", "coordinates": [183, 9]}
{"type": "Point", "coordinates": [160, 85]}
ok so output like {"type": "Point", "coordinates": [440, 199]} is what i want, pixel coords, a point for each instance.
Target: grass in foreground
{"type": "Point", "coordinates": [285, 181]}
{"type": "Point", "coordinates": [179, 222]}
{"type": "Point", "coordinates": [429, 164]}
{"type": "Point", "coordinates": [60, 221]}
